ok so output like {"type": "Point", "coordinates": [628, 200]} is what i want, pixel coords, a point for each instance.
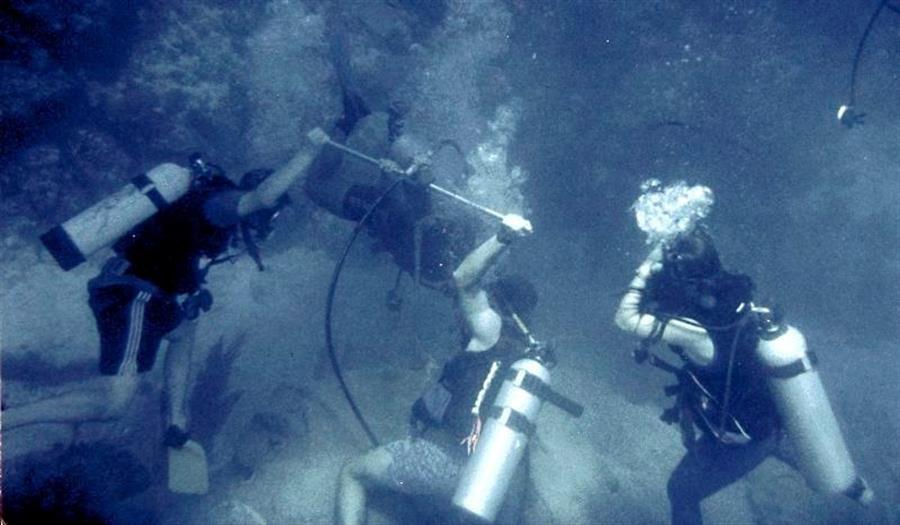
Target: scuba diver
{"type": "Point", "coordinates": [421, 243]}
{"type": "Point", "coordinates": [446, 422]}
{"type": "Point", "coordinates": [152, 288]}
{"type": "Point", "coordinates": [746, 383]}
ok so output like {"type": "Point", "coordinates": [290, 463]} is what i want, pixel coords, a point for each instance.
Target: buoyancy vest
{"type": "Point", "coordinates": [702, 389]}
{"type": "Point", "coordinates": [750, 409]}
{"type": "Point", "coordinates": [166, 249]}
{"type": "Point", "coordinates": [448, 404]}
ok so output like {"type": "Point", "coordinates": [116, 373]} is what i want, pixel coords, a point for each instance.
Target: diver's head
{"type": "Point", "coordinates": [693, 256]}
{"type": "Point", "coordinates": [694, 283]}
{"type": "Point", "coordinates": [513, 294]}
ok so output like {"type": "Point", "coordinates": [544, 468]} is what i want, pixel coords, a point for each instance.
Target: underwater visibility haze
{"type": "Point", "coordinates": [240, 240]}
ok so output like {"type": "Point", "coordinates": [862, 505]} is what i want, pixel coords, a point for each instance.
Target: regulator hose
{"type": "Point", "coordinates": [859, 48]}
{"type": "Point", "coordinates": [329, 308]}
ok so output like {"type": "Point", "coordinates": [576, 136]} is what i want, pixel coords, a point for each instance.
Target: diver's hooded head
{"type": "Point", "coordinates": [693, 255]}
{"type": "Point", "coordinates": [693, 282]}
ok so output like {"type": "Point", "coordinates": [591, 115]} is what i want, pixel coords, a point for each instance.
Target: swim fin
{"type": "Point", "coordinates": [188, 470]}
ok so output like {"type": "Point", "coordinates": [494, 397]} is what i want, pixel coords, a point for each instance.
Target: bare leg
{"type": "Point", "coordinates": [103, 398]}
{"type": "Point", "coordinates": [177, 370]}
{"type": "Point", "coordinates": [367, 470]}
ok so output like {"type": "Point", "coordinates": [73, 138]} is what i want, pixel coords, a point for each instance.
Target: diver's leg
{"type": "Point", "coordinates": [103, 398]}
{"type": "Point", "coordinates": [707, 469]}
{"type": "Point", "coordinates": [177, 371]}
{"type": "Point", "coordinates": [120, 312]}
{"type": "Point", "coordinates": [370, 469]}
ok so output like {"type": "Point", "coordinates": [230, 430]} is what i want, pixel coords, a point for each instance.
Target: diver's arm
{"type": "Point", "coordinates": [692, 338]}
{"type": "Point", "coordinates": [484, 323]}
{"type": "Point", "coordinates": [267, 193]}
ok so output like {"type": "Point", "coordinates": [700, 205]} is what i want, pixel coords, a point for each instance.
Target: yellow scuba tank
{"type": "Point", "coordinates": [800, 398]}
{"type": "Point", "coordinates": [486, 477]}
{"type": "Point", "coordinates": [74, 240]}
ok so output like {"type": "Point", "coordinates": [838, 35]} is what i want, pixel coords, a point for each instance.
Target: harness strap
{"type": "Point", "coordinates": [536, 387]}
{"type": "Point", "coordinates": [512, 419]}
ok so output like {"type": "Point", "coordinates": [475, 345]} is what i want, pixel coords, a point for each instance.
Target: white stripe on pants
{"type": "Point", "coordinates": [135, 333]}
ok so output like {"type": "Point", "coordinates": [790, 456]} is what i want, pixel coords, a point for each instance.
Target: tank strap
{"type": "Point", "coordinates": [512, 419]}
{"type": "Point", "coordinates": [795, 368]}
{"type": "Point", "coordinates": [536, 387]}
{"type": "Point", "coordinates": [146, 186]}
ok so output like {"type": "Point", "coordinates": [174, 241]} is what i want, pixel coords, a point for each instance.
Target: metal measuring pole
{"type": "Point", "coordinates": [319, 136]}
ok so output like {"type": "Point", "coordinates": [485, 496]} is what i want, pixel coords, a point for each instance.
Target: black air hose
{"type": "Point", "coordinates": [859, 48]}
{"type": "Point", "coordinates": [329, 307]}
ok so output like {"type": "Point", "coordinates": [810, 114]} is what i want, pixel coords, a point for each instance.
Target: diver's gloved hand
{"type": "Point", "coordinates": [513, 227]}
{"type": "Point", "coordinates": [653, 262]}
{"type": "Point", "coordinates": [175, 437]}
{"type": "Point", "coordinates": [390, 166]}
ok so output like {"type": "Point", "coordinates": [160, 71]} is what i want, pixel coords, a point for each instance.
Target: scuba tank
{"type": "Point", "coordinates": [510, 423]}
{"type": "Point", "coordinates": [799, 395]}
{"type": "Point", "coordinates": [74, 240]}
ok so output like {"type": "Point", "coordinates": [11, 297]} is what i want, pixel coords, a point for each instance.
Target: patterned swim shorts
{"type": "Point", "coordinates": [420, 467]}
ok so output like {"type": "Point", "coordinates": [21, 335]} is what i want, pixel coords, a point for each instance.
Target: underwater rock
{"type": "Point", "coordinates": [265, 435]}
{"type": "Point", "coordinates": [32, 95]}
{"type": "Point", "coordinates": [84, 35]}
{"type": "Point", "coordinates": [290, 84]}
{"type": "Point", "coordinates": [37, 181]}
{"type": "Point", "coordinates": [74, 487]}
{"type": "Point", "coordinates": [179, 91]}
{"type": "Point", "coordinates": [102, 163]}
{"type": "Point", "coordinates": [52, 181]}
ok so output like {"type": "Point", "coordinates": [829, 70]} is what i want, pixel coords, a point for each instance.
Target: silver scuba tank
{"type": "Point", "coordinates": [800, 398]}
{"type": "Point", "coordinates": [510, 422]}
{"type": "Point", "coordinates": [73, 241]}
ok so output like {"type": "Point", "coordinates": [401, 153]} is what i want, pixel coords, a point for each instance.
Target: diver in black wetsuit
{"type": "Point", "coordinates": [420, 243]}
{"type": "Point", "coordinates": [152, 290]}
{"type": "Point", "coordinates": [681, 296]}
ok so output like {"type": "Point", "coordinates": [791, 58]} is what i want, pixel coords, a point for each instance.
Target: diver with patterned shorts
{"type": "Point", "coordinates": [447, 419]}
